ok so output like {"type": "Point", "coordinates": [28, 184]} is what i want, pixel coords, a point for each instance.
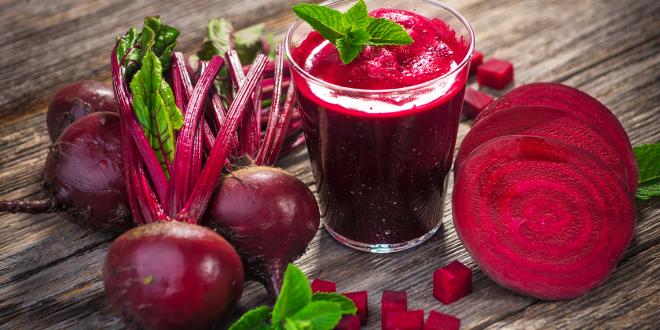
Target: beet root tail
{"type": "Point", "coordinates": [274, 277]}
{"type": "Point", "coordinates": [29, 206]}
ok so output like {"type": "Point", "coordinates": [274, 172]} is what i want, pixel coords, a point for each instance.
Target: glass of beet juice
{"type": "Point", "coordinates": [381, 130]}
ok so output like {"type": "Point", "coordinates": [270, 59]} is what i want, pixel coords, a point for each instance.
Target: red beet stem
{"type": "Point", "coordinates": [29, 206]}
{"type": "Point", "coordinates": [282, 125]}
{"type": "Point", "coordinates": [196, 204]}
{"type": "Point", "coordinates": [185, 149]}
{"type": "Point", "coordinates": [134, 128]}
{"type": "Point", "coordinates": [264, 150]}
{"type": "Point", "coordinates": [250, 129]}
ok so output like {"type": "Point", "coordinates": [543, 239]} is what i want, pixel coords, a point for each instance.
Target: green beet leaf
{"type": "Point", "coordinates": [648, 162]}
{"type": "Point", "coordinates": [154, 107]}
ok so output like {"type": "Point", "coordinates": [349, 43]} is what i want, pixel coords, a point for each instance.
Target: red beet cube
{"type": "Point", "coordinates": [360, 300]}
{"type": "Point", "coordinates": [474, 102]}
{"type": "Point", "coordinates": [409, 320]}
{"type": "Point", "coordinates": [323, 286]}
{"type": "Point", "coordinates": [392, 301]}
{"type": "Point", "coordinates": [495, 73]}
{"type": "Point", "coordinates": [440, 321]}
{"type": "Point", "coordinates": [475, 61]}
{"type": "Point", "coordinates": [349, 322]}
{"type": "Point", "coordinates": [452, 282]}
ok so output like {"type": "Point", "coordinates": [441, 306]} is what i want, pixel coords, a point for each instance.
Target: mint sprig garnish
{"type": "Point", "coordinates": [297, 308]}
{"type": "Point", "coordinates": [648, 162]}
{"type": "Point", "coordinates": [353, 30]}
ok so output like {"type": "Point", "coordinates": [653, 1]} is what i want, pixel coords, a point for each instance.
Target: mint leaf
{"type": "Point", "coordinates": [328, 22]}
{"type": "Point", "coordinates": [290, 324]}
{"type": "Point", "coordinates": [255, 319]}
{"type": "Point", "coordinates": [296, 293]}
{"type": "Point", "coordinates": [346, 305]}
{"type": "Point", "coordinates": [351, 45]}
{"type": "Point", "coordinates": [385, 32]}
{"type": "Point", "coordinates": [357, 16]}
{"type": "Point", "coordinates": [648, 162]}
{"type": "Point", "coordinates": [351, 31]}
{"type": "Point", "coordinates": [155, 109]}
{"type": "Point", "coordinates": [322, 315]}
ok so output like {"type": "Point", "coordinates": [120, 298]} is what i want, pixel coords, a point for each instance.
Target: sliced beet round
{"type": "Point", "coordinates": [541, 217]}
{"type": "Point", "coordinates": [577, 103]}
{"type": "Point", "coordinates": [551, 123]}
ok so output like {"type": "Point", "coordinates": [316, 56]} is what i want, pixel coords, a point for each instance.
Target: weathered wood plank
{"type": "Point", "coordinates": [50, 273]}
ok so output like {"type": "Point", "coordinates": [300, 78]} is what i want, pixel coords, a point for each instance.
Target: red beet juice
{"type": "Point", "coordinates": [381, 130]}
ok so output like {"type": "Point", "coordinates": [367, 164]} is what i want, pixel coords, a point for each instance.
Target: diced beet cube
{"type": "Point", "coordinates": [495, 73]}
{"type": "Point", "coordinates": [323, 286]}
{"type": "Point", "coordinates": [349, 322]}
{"type": "Point", "coordinates": [475, 61]}
{"type": "Point", "coordinates": [440, 321]}
{"type": "Point", "coordinates": [474, 102]}
{"type": "Point", "coordinates": [392, 301]}
{"type": "Point", "coordinates": [452, 282]}
{"type": "Point", "coordinates": [360, 300]}
{"type": "Point", "coordinates": [409, 320]}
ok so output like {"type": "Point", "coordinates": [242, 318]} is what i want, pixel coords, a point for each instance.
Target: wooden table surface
{"type": "Point", "coordinates": [50, 270]}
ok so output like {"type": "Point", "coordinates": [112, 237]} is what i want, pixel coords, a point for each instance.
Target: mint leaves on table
{"type": "Point", "coordinates": [353, 30]}
{"type": "Point", "coordinates": [648, 162]}
{"type": "Point", "coordinates": [297, 308]}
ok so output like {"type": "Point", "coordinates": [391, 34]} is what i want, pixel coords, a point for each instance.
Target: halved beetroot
{"type": "Point", "coordinates": [551, 123]}
{"type": "Point", "coordinates": [541, 217]}
{"type": "Point", "coordinates": [577, 103]}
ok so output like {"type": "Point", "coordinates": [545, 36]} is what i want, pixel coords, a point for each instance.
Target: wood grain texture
{"type": "Point", "coordinates": [50, 269]}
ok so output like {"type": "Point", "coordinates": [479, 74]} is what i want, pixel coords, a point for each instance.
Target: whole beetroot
{"type": "Point", "coordinates": [75, 101]}
{"type": "Point", "coordinates": [268, 215]}
{"type": "Point", "coordinates": [84, 177]}
{"type": "Point", "coordinates": [172, 275]}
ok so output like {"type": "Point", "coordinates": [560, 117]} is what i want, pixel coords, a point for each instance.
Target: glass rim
{"type": "Point", "coordinates": [309, 76]}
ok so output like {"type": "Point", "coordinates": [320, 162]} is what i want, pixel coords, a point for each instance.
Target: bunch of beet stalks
{"type": "Point", "coordinates": [169, 271]}
{"type": "Point", "coordinates": [267, 214]}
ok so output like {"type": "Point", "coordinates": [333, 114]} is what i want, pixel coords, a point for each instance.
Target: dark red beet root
{"type": "Point", "coordinates": [551, 123]}
{"type": "Point", "coordinates": [452, 282]}
{"type": "Point", "coordinates": [476, 60]}
{"type": "Point", "coordinates": [474, 102]}
{"type": "Point", "coordinates": [349, 322]}
{"type": "Point", "coordinates": [75, 101]}
{"type": "Point", "coordinates": [172, 275]}
{"type": "Point", "coordinates": [541, 217]}
{"type": "Point", "coordinates": [319, 285]}
{"type": "Point", "coordinates": [268, 215]}
{"type": "Point", "coordinates": [359, 298]}
{"type": "Point", "coordinates": [578, 104]}
{"type": "Point", "coordinates": [84, 177]}
{"type": "Point", "coordinates": [495, 73]}
{"type": "Point", "coordinates": [392, 301]}
{"type": "Point", "coordinates": [408, 320]}
{"type": "Point", "coordinates": [440, 321]}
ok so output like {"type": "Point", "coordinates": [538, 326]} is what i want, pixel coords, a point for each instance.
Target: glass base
{"type": "Point", "coordinates": [383, 248]}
